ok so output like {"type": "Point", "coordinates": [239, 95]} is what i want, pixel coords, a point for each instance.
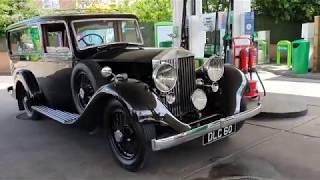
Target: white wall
{"type": "Point", "coordinates": [177, 6]}
{"type": "Point", "coordinates": [50, 4]}
{"type": "Point", "coordinates": [240, 7]}
{"type": "Point", "coordinates": [176, 17]}
{"type": "Point", "coordinates": [197, 36]}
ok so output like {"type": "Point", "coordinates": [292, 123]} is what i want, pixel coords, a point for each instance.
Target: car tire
{"type": "Point", "coordinates": [87, 73]}
{"type": "Point", "coordinates": [27, 104]}
{"type": "Point", "coordinates": [130, 142]}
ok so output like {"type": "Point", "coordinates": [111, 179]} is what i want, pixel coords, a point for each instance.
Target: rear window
{"type": "Point", "coordinates": [25, 41]}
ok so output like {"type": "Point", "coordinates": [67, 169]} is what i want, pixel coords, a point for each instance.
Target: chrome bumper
{"type": "Point", "coordinates": [168, 142]}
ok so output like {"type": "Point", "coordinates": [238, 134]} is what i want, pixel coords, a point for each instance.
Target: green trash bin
{"type": "Point", "coordinates": [165, 44]}
{"type": "Point", "coordinates": [262, 51]}
{"type": "Point", "coordinates": [208, 50]}
{"type": "Point", "coordinates": [300, 56]}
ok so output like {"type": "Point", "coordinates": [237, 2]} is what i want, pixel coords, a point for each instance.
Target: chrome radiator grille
{"type": "Point", "coordinates": [185, 86]}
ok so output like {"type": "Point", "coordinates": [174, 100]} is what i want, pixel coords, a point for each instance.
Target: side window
{"type": "Point", "coordinates": [55, 38]}
{"type": "Point", "coordinates": [25, 41]}
{"type": "Point", "coordinates": [129, 33]}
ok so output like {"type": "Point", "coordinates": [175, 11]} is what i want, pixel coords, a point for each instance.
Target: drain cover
{"type": "Point", "coordinates": [243, 178]}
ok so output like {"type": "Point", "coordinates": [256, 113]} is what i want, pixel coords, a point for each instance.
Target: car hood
{"type": "Point", "coordinates": [137, 55]}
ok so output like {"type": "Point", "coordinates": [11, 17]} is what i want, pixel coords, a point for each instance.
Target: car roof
{"type": "Point", "coordinates": [70, 17]}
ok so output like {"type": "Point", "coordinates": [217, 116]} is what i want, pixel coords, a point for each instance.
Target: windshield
{"type": "Point", "coordinates": [93, 33]}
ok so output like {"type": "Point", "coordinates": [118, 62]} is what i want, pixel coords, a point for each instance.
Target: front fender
{"type": "Point", "coordinates": [234, 84]}
{"type": "Point", "coordinates": [139, 100]}
{"type": "Point", "coordinates": [134, 94]}
{"type": "Point", "coordinates": [28, 80]}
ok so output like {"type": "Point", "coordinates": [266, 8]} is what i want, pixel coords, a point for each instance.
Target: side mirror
{"type": "Point", "coordinates": [106, 72]}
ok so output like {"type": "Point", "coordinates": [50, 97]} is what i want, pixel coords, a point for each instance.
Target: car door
{"type": "Point", "coordinates": [57, 65]}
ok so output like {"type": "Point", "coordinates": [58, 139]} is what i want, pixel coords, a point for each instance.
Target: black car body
{"type": "Point", "coordinates": [93, 69]}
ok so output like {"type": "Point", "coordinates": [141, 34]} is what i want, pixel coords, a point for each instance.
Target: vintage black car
{"type": "Point", "coordinates": [92, 69]}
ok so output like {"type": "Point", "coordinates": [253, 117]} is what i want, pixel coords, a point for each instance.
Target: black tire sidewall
{"type": "Point", "coordinates": [144, 148]}
{"type": "Point", "coordinates": [92, 71]}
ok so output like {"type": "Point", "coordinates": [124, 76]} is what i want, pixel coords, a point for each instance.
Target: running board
{"type": "Point", "coordinates": [60, 116]}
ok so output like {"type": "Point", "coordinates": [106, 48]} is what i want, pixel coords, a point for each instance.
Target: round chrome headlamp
{"type": "Point", "coordinates": [165, 77]}
{"type": "Point", "coordinates": [199, 99]}
{"type": "Point", "coordinates": [215, 68]}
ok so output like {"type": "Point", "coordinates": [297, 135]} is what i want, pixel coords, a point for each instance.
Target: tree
{"type": "Point", "coordinates": [15, 10]}
{"type": "Point", "coordinates": [211, 5]}
{"type": "Point", "coordinates": [109, 8]}
{"type": "Point", "coordinates": [288, 10]}
{"type": "Point", "coordinates": [153, 10]}
{"type": "Point", "coordinates": [146, 10]}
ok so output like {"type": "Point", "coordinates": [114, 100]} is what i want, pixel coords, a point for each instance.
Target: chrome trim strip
{"type": "Point", "coordinates": [168, 142]}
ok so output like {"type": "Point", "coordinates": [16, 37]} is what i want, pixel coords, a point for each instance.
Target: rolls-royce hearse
{"type": "Point", "coordinates": [92, 69]}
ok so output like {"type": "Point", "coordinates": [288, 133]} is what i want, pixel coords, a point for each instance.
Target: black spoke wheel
{"type": "Point", "coordinates": [124, 137]}
{"type": "Point", "coordinates": [129, 140]}
{"type": "Point", "coordinates": [84, 89]}
{"type": "Point", "coordinates": [86, 79]}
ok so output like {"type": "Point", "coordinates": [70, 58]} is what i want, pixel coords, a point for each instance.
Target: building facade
{"type": "Point", "coordinates": [72, 4]}
{"type": "Point", "coordinates": [57, 4]}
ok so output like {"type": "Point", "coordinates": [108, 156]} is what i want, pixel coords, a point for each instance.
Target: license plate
{"type": "Point", "coordinates": [218, 134]}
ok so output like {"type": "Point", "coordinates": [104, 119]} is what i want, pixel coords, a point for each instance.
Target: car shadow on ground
{"type": "Point", "coordinates": [77, 144]}
{"type": "Point", "coordinates": [93, 149]}
{"type": "Point", "coordinates": [244, 168]}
